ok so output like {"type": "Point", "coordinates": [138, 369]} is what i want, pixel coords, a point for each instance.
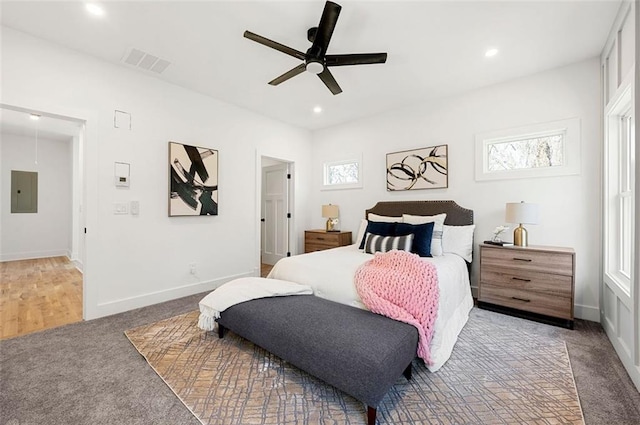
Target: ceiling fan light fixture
{"type": "Point", "coordinates": [314, 67]}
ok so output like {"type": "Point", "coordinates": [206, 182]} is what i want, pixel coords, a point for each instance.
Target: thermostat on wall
{"type": "Point", "coordinates": [122, 174]}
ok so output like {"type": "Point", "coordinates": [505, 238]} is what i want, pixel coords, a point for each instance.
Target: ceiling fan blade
{"type": "Point", "coordinates": [326, 26]}
{"type": "Point", "coordinates": [329, 81]}
{"type": "Point", "coordinates": [289, 74]}
{"type": "Point", "coordinates": [274, 45]}
{"type": "Point", "coordinates": [355, 59]}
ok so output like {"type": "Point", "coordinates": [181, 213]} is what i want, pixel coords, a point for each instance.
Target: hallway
{"type": "Point", "coordinates": [38, 294]}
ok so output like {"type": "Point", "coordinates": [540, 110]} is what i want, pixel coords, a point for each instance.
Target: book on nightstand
{"type": "Point", "coordinates": [501, 243]}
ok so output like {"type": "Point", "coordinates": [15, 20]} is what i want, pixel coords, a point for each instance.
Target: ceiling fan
{"type": "Point", "coordinates": [316, 59]}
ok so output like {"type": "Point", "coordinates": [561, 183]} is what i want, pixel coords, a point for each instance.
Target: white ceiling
{"type": "Point", "coordinates": [435, 48]}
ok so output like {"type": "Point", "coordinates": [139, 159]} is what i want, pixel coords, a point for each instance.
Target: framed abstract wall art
{"type": "Point", "coordinates": [424, 168]}
{"type": "Point", "coordinates": [193, 180]}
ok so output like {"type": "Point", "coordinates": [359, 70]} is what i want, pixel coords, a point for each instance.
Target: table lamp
{"type": "Point", "coordinates": [521, 213]}
{"type": "Point", "coordinates": [331, 213]}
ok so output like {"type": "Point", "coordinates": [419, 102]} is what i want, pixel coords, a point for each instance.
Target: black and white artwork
{"type": "Point", "coordinates": [424, 168]}
{"type": "Point", "coordinates": [193, 187]}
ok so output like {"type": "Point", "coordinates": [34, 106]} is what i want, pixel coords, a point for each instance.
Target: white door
{"type": "Point", "coordinates": [275, 210]}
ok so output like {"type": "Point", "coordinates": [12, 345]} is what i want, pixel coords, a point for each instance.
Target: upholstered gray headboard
{"type": "Point", "coordinates": [456, 215]}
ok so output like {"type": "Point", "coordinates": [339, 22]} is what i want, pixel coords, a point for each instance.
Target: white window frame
{"type": "Point", "coordinates": [571, 155]}
{"type": "Point", "coordinates": [353, 159]}
{"type": "Point", "coordinates": [617, 188]}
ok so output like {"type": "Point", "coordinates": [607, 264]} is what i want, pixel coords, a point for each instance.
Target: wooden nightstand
{"type": "Point", "coordinates": [318, 240]}
{"type": "Point", "coordinates": [534, 279]}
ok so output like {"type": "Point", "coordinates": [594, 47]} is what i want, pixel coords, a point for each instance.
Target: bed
{"type": "Point", "coordinates": [330, 272]}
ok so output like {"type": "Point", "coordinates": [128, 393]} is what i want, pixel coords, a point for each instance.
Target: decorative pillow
{"type": "Point", "coordinates": [361, 230]}
{"type": "Point", "coordinates": [438, 223]}
{"type": "Point", "coordinates": [422, 235]}
{"type": "Point", "coordinates": [377, 243]}
{"type": "Point", "coordinates": [378, 228]}
{"type": "Point", "coordinates": [459, 240]}
{"type": "Point", "coordinates": [383, 218]}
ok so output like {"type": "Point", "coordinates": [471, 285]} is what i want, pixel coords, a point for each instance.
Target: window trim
{"type": "Point", "coordinates": [353, 159]}
{"type": "Point", "coordinates": [571, 155]}
{"type": "Point", "coordinates": [613, 249]}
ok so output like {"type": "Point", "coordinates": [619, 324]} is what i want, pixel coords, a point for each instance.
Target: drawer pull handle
{"type": "Point", "coordinates": [521, 299]}
{"type": "Point", "coordinates": [519, 278]}
{"type": "Point", "coordinates": [320, 239]}
{"type": "Point", "coordinates": [522, 259]}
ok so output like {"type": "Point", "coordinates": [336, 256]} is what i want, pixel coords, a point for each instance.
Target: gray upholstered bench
{"type": "Point", "coordinates": [356, 351]}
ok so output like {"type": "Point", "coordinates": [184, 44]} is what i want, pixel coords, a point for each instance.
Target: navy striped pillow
{"type": "Point", "coordinates": [377, 243]}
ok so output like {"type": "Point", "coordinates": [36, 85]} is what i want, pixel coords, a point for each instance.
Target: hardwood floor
{"type": "Point", "coordinates": [265, 269]}
{"type": "Point", "coordinates": [38, 294]}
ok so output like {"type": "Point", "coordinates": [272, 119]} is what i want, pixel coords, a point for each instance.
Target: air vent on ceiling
{"type": "Point", "coordinates": [143, 60]}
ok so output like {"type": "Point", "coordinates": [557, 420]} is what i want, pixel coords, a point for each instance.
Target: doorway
{"type": "Point", "coordinates": [275, 210]}
{"type": "Point", "coordinates": [41, 248]}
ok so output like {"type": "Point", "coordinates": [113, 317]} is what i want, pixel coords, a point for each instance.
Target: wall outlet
{"type": "Point", "coordinates": [192, 268]}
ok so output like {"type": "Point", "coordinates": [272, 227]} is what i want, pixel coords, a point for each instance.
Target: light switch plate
{"type": "Point", "coordinates": [135, 207]}
{"type": "Point", "coordinates": [120, 208]}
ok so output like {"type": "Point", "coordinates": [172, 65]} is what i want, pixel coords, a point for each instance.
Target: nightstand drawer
{"type": "Point", "coordinates": [530, 260]}
{"type": "Point", "coordinates": [546, 283]}
{"type": "Point", "coordinates": [326, 239]}
{"type": "Point", "coordinates": [318, 240]}
{"type": "Point", "coordinates": [312, 247]}
{"type": "Point", "coordinates": [535, 302]}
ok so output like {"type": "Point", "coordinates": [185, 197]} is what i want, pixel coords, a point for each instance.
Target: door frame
{"type": "Point", "coordinates": [88, 160]}
{"type": "Point", "coordinates": [258, 206]}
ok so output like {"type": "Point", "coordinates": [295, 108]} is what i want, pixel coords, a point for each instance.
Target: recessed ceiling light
{"type": "Point", "coordinates": [491, 52]}
{"type": "Point", "coordinates": [34, 117]}
{"type": "Point", "coordinates": [94, 9]}
{"type": "Point", "coordinates": [317, 109]}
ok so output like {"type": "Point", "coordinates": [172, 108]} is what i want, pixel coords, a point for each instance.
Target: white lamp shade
{"type": "Point", "coordinates": [522, 213]}
{"type": "Point", "coordinates": [330, 211]}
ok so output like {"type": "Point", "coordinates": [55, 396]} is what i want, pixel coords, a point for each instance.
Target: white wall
{"type": "Point", "coordinates": [131, 261]}
{"type": "Point", "coordinates": [48, 232]}
{"type": "Point", "coordinates": [570, 211]}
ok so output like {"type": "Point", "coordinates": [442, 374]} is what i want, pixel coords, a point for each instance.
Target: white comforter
{"type": "Point", "coordinates": [330, 275]}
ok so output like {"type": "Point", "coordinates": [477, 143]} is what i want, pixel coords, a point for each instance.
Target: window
{"type": "Point", "coordinates": [548, 149]}
{"type": "Point", "coordinates": [345, 174]}
{"type": "Point", "coordinates": [619, 194]}
{"type": "Point", "coordinates": [541, 151]}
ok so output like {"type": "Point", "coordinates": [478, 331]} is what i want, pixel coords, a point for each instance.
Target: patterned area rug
{"type": "Point", "coordinates": [496, 375]}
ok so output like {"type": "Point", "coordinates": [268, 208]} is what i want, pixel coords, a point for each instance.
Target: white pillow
{"type": "Point", "coordinates": [384, 218]}
{"type": "Point", "coordinates": [458, 240]}
{"type": "Point", "coordinates": [438, 223]}
{"type": "Point", "coordinates": [361, 230]}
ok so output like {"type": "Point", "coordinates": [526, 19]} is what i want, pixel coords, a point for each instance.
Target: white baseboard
{"type": "Point", "coordinates": [78, 265]}
{"type": "Point", "coordinates": [474, 292]}
{"type": "Point", "coordinates": [586, 312]}
{"type": "Point", "coordinates": [32, 255]}
{"type": "Point", "coordinates": [119, 306]}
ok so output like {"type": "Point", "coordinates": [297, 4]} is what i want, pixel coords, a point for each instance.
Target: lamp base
{"type": "Point", "coordinates": [520, 237]}
{"type": "Point", "coordinates": [330, 225]}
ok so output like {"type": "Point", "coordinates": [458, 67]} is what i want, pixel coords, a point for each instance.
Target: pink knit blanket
{"type": "Point", "coordinates": [400, 285]}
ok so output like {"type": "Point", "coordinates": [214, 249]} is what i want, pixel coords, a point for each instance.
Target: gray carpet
{"type": "Point", "coordinates": [89, 373]}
